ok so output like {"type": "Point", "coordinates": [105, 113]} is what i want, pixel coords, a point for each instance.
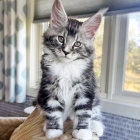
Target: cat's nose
{"type": "Point", "coordinates": [66, 53]}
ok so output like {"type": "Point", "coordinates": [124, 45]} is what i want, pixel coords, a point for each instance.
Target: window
{"type": "Point", "coordinates": [125, 60]}
{"type": "Point", "coordinates": [115, 98]}
{"type": "Point", "coordinates": [132, 68]}
{"type": "Point", "coordinates": [35, 54]}
{"type": "Point", "coordinates": [98, 44]}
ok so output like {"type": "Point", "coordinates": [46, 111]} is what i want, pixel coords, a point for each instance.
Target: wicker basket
{"type": "Point", "coordinates": [30, 128]}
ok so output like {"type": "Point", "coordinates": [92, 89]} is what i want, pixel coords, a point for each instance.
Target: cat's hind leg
{"type": "Point", "coordinates": [96, 121]}
{"type": "Point", "coordinates": [97, 127]}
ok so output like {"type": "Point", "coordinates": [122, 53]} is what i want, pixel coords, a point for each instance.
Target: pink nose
{"type": "Point", "coordinates": [65, 52]}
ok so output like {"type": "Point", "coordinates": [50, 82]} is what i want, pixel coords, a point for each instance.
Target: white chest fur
{"type": "Point", "coordinates": [67, 73]}
{"type": "Point", "coordinates": [71, 70]}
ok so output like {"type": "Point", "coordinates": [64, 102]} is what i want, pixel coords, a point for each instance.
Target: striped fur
{"type": "Point", "coordinates": [68, 86]}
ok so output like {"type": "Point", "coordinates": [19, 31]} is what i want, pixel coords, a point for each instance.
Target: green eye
{"type": "Point", "coordinates": [77, 44]}
{"type": "Point", "coordinates": [61, 39]}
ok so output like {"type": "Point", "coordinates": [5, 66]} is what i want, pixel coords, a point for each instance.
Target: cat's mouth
{"type": "Point", "coordinates": [64, 56]}
{"type": "Point", "coordinates": [67, 58]}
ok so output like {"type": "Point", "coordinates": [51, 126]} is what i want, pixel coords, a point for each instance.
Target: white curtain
{"type": "Point", "coordinates": [13, 50]}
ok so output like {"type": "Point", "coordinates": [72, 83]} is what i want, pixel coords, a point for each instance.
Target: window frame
{"type": "Point", "coordinates": [123, 41]}
{"type": "Point", "coordinates": [116, 101]}
{"type": "Point", "coordinates": [34, 57]}
{"type": "Point", "coordinates": [115, 34]}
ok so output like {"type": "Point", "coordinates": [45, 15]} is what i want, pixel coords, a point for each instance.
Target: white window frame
{"type": "Point", "coordinates": [122, 54]}
{"type": "Point", "coordinates": [114, 101]}
{"type": "Point", "coordinates": [34, 56]}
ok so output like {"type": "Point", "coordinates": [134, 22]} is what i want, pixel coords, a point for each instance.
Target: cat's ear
{"type": "Point", "coordinates": [58, 16]}
{"type": "Point", "coordinates": [91, 25]}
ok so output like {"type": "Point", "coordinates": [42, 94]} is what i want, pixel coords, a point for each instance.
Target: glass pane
{"type": "Point", "coordinates": [98, 44]}
{"type": "Point", "coordinates": [132, 73]}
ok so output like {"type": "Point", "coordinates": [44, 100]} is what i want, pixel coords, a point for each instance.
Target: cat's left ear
{"type": "Point", "coordinates": [90, 26]}
{"type": "Point", "coordinates": [58, 16]}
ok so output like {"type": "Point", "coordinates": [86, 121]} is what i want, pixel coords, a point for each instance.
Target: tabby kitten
{"type": "Point", "coordinates": [68, 86]}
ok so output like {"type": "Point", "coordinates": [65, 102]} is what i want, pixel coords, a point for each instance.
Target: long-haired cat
{"type": "Point", "coordinates": [68, 86]}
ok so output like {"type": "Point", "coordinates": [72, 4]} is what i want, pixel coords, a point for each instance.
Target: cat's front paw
{"type": "Point", "coordinates": [82, 134]}
{"type": "Point", "coordinates": [53, 133]}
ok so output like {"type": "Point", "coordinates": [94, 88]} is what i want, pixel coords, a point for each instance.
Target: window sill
{"type": "Point", "coordinates": [121, 108]}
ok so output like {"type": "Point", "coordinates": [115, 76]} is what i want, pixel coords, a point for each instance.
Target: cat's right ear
{"type": "Point", "coordinates": [58, 16]}
{"type": "Point", "coordinates": [91, 25]}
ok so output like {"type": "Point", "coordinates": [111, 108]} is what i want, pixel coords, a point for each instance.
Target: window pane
{"type": "Point", "coordinates": [98, 44]}
{"type": "Point", "coordinates": [132, 73]}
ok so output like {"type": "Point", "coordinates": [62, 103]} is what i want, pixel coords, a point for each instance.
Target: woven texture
{"type": "Point", "coordinates": [32, 128]}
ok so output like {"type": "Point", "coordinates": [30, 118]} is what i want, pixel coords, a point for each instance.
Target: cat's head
{"type": "Point", "coordinates": [68, 39]}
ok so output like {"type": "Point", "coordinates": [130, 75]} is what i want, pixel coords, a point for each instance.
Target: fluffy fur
{"type": "Point", "coordinates": [68, 86]}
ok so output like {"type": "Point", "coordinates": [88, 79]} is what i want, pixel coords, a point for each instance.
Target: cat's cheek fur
{"type": "Point", "coordinates": [82, 134]}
